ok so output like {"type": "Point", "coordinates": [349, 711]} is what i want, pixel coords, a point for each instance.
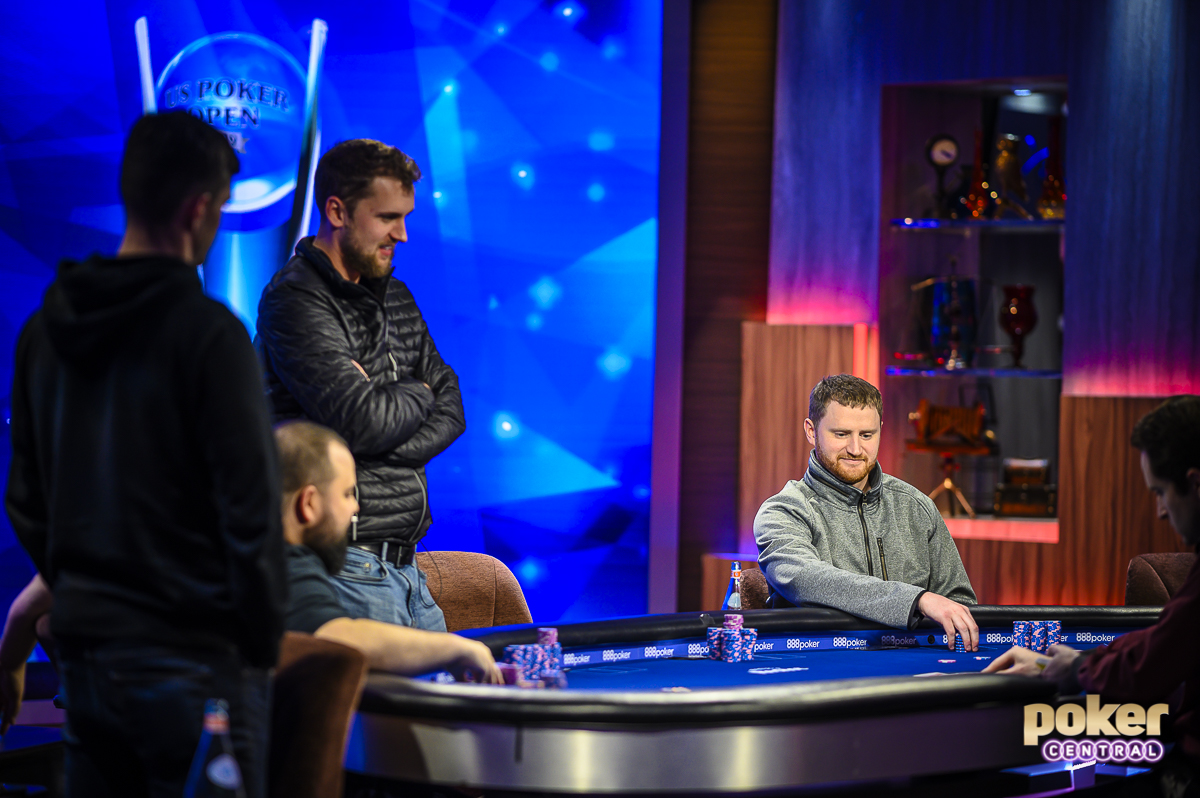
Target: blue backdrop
{"type": "Point", "coordinates": [531, 252]}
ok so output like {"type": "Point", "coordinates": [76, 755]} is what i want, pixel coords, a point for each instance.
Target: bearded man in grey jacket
{"type": "Point", "coordinates": [849, 536]}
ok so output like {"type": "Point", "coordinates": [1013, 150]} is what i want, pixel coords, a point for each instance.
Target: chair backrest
{"type": "Point", "coordinates": [754, 589]}
{"type": "Point", "coordinates": [1153, 578]}
{"type": "Point", "coordinates": [317, 687]}
{"type": "Point", "coordinates": [474, 590]}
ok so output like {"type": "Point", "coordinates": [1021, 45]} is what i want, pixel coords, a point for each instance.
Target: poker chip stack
{"type": "Point", "coordinates": [714, 642]}
{"type": "Point", "coordinates": [1021, 634]}
{"type": "Point", "coordinates": [532, 662]}
{"type": "Point", "coordinates": [510, 672]}
{"type": "Point", "coordinates": [1053, 633]}
{"type": "Point", "coordinates": [1038, 635]}
{"type": "Point", "coordinates": [548, 638]}
{"type": "Point", "coordinates": [959, 646]}
{"type": "Point", "coordinates": [732, 643]}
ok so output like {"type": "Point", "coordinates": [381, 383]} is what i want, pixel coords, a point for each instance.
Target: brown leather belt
{"type": "Point", "coordinates": [389, 551]}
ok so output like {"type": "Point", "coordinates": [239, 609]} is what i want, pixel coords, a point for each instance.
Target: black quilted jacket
{"type": "Point", "coordinates": [313, 326]}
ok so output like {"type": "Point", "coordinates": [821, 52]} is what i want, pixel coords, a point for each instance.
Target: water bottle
{"type": "Point", "coordinates": [733, 595]}
{"type": "Point", "coordinates": [215, 772]}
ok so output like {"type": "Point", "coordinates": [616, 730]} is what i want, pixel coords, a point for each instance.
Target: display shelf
{"type": "Point", "coordinates": [1040, 374]}
{"type": "Point", "coordinates": [1013, 530]}
{"type": "Point", "coordinates": [968, 226]}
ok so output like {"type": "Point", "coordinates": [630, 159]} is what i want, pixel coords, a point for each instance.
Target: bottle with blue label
{"type": "Point", "coordinates": [733, 595]}
{"type": "Point", "coordinates": [215, 772]}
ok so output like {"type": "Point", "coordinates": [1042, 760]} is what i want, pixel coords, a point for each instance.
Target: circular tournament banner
{"type": "Point", "coordinates": [252, 90]}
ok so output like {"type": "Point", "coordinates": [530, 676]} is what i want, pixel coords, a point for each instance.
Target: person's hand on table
{"type": "Point", "coordinates": [953, 617]}
{"type": "Point", "coordinates": [1021, 661]}
{"type": "Point", "coordinates": [476, 664]}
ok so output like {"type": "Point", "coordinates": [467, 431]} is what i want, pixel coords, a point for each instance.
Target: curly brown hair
{"type": "Point", "coordinates": [348, 168]}
{"type": "Point", "coordinates": [845, 389]}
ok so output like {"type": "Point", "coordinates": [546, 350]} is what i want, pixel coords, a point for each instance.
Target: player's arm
{"type": "Point", "coordinates": [407, 651]}
{"type": "Point", "coordinates": [446, 421]}
{"type": "Point", "coordinates": [1147, 665]}
{"type": "Point", "coordinates": [949, 588]}
{"type": "Point", "coordinates": [793, 566]}
{"type": "Point", "coordinates": [304, 341]}
{"type": "Point", "coordinates": [234, 430]}
{"type": "Point", "coordinates": [16, 644]}
{"type": "Point", "coordinates": [947, 576]}
{"type": "Point", "coordinates": [25, 499]}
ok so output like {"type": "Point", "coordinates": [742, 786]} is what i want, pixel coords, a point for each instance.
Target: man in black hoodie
{"type": "Point", "coordinates": [144, 484]}
{"type": "Point", "coordinates": [344, 345]}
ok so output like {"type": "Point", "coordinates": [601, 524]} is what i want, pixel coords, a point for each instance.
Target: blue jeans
{"type": "Point", "coordinates": [135, 712]}
{"type": "Point", "coordinates": [372, 588]}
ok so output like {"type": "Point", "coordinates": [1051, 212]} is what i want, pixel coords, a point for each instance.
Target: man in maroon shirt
{"type": "Point", "coordinates": [1148, 665]}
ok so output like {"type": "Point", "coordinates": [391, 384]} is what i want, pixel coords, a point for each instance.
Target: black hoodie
{"type": "Point", "coordinates": [144, 482]}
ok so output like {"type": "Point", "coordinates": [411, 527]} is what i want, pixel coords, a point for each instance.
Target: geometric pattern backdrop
{"type": "Point", "coordinates": [532, 250]}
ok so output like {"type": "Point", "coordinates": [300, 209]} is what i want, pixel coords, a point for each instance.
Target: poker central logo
{"type": "Point", "coordinates": [1096, 720]}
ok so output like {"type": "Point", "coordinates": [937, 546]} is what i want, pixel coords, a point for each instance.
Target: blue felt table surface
{"type": "Point", "coordinates": [778, 667]}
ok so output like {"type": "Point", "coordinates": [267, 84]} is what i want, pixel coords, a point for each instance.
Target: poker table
{"type": "Point", "coordinates": [828, 698]}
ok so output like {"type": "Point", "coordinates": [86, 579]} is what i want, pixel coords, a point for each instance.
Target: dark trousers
{"type": "Point", "coordinates": [135, 712]}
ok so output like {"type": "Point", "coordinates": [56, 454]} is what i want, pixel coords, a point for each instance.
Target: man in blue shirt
{"type": "Point", "coordinates": [318, 505]}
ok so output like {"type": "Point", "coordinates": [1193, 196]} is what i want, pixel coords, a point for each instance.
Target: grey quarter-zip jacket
{"type": "Point", "coordinates": [870, 553]}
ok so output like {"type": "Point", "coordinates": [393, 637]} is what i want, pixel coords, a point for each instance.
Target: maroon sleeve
{"type": "Point", "coordinates": [1148, 664]}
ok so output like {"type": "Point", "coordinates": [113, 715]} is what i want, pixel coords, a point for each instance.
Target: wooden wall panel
{"type": "Point", "coordinates": [728, 232]}
{"type": "Point", "coordinates": [1106, 516]}
{"type": "Point", "coordinates": [780, 365]}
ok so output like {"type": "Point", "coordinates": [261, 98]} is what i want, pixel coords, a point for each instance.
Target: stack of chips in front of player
{"type": "Point", "coordinates": [732, 643]}
{"type": "Point", "coordinates": [1037, 635]}
{"type": "Point", "coordinates": [536, 665]}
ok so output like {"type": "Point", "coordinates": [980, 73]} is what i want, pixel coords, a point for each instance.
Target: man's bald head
{"type": "Point", "coordinates": [304, 454]}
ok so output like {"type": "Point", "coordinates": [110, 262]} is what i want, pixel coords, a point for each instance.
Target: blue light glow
{"type": "Point", "coordinates": [595, 192]}
{"type": "Point", "coordinates": [523, 175]}
{"type": "Point", "coordinates": [1022, 92]}
{"type": "Point", "coordinates": [505, 427]}
{"type": "Point", "coordinates": [1030, 140]}
{"type": "Point", "coordinates": [545, 292]}
{"type": "Point", "coordinates": [549, 62]}
{"type": "Point", "coordinates": [600, 140]}
{"type": "Point", "coordinates": [530, 571]}
{"type": "Point", "coordinates": [614, 364]}
{"type": "Point", "coordinates": [534, 321]}
{"type": "Point", "coordinates": [1035, 159]}
{"type": "Point", "coordinates": [569, 11]}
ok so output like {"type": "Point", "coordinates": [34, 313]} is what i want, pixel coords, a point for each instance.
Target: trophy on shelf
{"type": "Point", "coordinates": [258, 95]}
{"type": "Point", "coordinates": [1011, 181]}
{"type": "Point", "coordinates": [975, 203]}
{"type": "Point", "coordinates": [1018, 317]}
{"type": "Point", "coordinates": [948, 321]}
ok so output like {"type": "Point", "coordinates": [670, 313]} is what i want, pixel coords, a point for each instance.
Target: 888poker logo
{"type": "Point", "coordinates": [1111, 732]}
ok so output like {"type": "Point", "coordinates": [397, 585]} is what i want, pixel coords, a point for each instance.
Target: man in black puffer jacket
{"type": "Point", "coordinates": [343, 344]}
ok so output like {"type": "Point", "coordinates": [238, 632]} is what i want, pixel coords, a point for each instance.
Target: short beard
{"type": "Point", "coordinates": [331, 549]}
{"type": "Point", "coordinates": [362, 261]}
{"type": "Point", "coordinates": [835, 468]}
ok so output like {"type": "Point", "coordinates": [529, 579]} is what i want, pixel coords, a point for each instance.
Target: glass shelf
{"type": "Point", "coordinates": [966, 227]}
{"type": "Point", "coordinates": [1039, 374]}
